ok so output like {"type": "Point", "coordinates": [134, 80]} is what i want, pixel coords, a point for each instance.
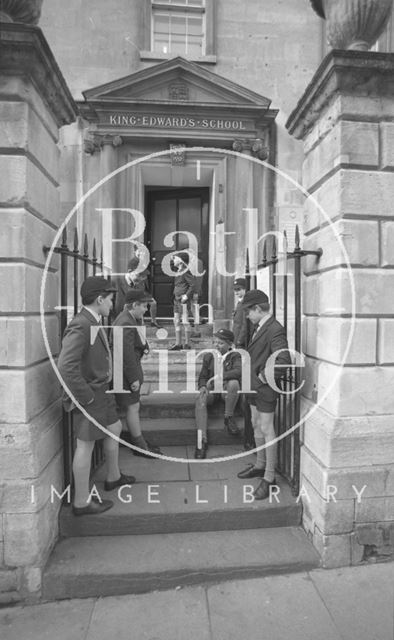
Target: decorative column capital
{"type": "Point", "coordinates": [257, 148]}
{"type": "Point", "coordinates": [95, 142]}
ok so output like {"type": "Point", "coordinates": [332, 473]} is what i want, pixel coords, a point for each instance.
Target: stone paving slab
{"type": "Point", "coordinates": [68, 620]}
{"type": "Point", "coordinates": [360, 601]}
{"type": "Point", "coordinates": [354, 603]}
{"type": "Point", "coordinates": [169, 615]}
{"type": "Point", "coordinates": [279, 608]}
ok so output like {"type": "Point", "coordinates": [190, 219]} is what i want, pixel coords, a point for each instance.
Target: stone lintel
{"type": "Point", "coordinates": [24, 51]}
{"type": "Point", "coordinates": [353, 73]}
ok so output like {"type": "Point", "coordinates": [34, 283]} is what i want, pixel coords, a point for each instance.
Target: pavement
{"type": "Point", "coordinates": [353, 603]}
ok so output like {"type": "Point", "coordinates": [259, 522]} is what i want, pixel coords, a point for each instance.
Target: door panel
{"type": "Point", "coordinates": [175, 210]}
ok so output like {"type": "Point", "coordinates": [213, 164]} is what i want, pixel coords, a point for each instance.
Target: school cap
{"type": "Point", "coordinates": [96, 285]}
{"type": "Point", "coordinates": [225, 334]}
{"type": "Point", "coordinates": [239, 283]}
{"type": "Point", "coordinates": [137, 295]}
{"type": "Point", "coordinates": [254, 297]}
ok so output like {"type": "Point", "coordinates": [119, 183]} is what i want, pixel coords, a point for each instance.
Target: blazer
{"type": "Point", "coordinates": [133, 349]}
{"type": "Point", "coordinates": [185, 283]}
{"type": "Point", "coordinates": [82, 365]}
{"type": "Point", "coordinates": [240, 326]}
{"type": "Point", "coordinates": [123, 287]}
{"type": "Point", "coordinates": [269, 338]}
{"type": "Point", "coordinates": [232, 368]}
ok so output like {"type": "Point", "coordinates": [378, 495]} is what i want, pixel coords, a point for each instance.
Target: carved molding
{"type": "Point", "coordinates": [178, 91]}
{"type": "Point", "coordinates": [24, 52]}
{"type": "Point", "coordinates": [178, 155]}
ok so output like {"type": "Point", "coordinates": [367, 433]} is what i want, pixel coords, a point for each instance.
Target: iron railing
{"type": "Point", "coordinates": [288, 412]}
{"type": "Point", "coordinates": [75, 266]}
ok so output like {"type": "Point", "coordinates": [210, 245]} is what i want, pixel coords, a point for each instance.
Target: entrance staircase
{"type": "Point", "coordinates": [184, 522]}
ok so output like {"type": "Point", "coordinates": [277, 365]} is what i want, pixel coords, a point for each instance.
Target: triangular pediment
{"type": "Point", "coordinates": [176, 81]}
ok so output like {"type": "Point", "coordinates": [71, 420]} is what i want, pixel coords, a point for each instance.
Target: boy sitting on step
{"type": "Point", "coordinates": [232, 373]}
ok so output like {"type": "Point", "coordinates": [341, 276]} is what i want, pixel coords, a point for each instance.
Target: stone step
{"type": "Point", "coordinates": [192, 495]}
{"type": "Point", "coordinates": [173, 405]}
{"type": "Point", "coordinates": [99, 566]}
{"type": "Point", "coordinates": [168, 432]}
{"type": "Point", "coordinates": [197, 345]}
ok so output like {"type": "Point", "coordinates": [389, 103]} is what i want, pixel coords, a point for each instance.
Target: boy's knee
{"type": "Point", "coordinates": [116, 428]}
{"type": "Point", "coordinates": [233, 385]}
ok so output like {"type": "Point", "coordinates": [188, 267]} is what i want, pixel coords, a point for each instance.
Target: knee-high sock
{"type": "Point", "coordinates": [261, 459]}
{"type": "Point", "coordinates": [111, 450]}
{"type": "Point", "coordinates": [133, 420]}
{"type": "Point", "coordinates": [231, 398]}
{"type": "Point", "coordinates": [81, 471]}
{"type": "Point", "coordinates": [153, 310]}
{"type": "Point", "coordinates": [270, 452]}
{"type": "Point", "coordinates": [201, 414]}
{"type": "Point", "coordinates": [178, 339]}
{"type": "Point", "coordinates": [187, 333]}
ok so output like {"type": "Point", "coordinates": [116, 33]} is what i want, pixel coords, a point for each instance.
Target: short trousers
{"type": "Point", "coordinates": [103, 409]}
{"type": "Point", "coordinates": [124, 400]}
{"type": "Point", "coordinates": [266, 398]}
{"type": "Point", "coordinates": [179, 306]}
{"type": "Point", "coordinates": [261, 404]}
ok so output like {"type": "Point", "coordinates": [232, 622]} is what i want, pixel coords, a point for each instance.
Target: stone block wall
{"type": "Point", "coordinates": [348, 440]}
{"type": "Point", "coordinates": [34, 103]}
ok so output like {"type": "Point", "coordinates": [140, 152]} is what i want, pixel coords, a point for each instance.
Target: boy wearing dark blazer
{"type": "Point", "coordinates": [85, 365]}
{"type": "Point", "coordinates": [134, 347]}
{"type": "Point", "coordinates": [268, 338]}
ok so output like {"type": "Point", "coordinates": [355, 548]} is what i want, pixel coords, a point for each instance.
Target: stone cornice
{"type": "Point", "coordinates": [351, 73]}
{"type": "Point", "coordinates": [24, 51]}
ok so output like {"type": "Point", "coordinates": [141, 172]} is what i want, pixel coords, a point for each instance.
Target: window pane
{"type": "Point", "coordinates": [180, 31]}
{"type": "Point", "coordinates": [178, 25]}
{"type": "Point", "coordinates": [194, 26]}
{"type": "Point", "coordinates": [161, 24]}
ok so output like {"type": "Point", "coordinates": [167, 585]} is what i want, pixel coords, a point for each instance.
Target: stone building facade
{"type": "Point", "coordinates": [92, 92]}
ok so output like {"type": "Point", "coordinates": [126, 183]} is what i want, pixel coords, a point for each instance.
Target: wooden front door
{"type": "Point", "coordinates": [175, 210]}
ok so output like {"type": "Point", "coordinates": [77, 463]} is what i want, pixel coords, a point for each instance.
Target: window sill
{"type": "Point", "coordinates": [155, 56]}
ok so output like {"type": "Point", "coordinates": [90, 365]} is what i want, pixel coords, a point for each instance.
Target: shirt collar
{"type": "Point", "coordinates": [263, 321]}
{"type": "Point", "coordinates": [95, 315]}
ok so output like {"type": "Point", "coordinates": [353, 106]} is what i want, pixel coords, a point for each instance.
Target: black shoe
{"type": "Point", "coordinates": [186, 346]}
{"type": "Point", "coordinates": [200, 454]}
{"type": "Point", "coordinates": [251, 472]}
{"type": "Point", "coordinates": [109, 486]}
{"type": "Point", "coordinates": [248, 446]}
{"type": "Point", "coordinates": [175, 347]}
{"type": "Point", "coordinates": [231, 426]}
{"type": "Point", "coordinates": [93, 508]}
{"type": "Point", "coordinates": [149, 447]}
{"type": "Point", "coordinates": [262, 492]}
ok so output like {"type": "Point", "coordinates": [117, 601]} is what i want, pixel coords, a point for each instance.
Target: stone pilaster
{"type": "Point", "coordinates": [345, 121]}
{"type": "Point", "coordinates": [34, 104]}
